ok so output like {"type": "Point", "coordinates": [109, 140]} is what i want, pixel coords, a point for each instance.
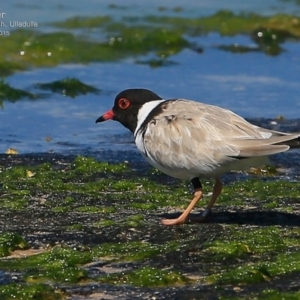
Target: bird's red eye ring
{"type": "Point", "coordinates": [123, 103]}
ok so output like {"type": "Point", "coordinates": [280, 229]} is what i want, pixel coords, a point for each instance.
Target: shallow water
{"type": "Point", "coordinates": [55, 10]}
{"type": "Point", "coordinates": [251, 84]}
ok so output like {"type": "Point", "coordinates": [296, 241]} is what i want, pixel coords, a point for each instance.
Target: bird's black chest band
{"type": "Point", "coordinates": [196, 183]}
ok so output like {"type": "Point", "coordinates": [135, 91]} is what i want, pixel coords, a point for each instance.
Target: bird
{"type": "Point", "coordinates": [190, 140]}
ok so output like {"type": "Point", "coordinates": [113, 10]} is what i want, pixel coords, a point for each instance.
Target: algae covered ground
{"type": "Point", "coordinates": [73, 227]}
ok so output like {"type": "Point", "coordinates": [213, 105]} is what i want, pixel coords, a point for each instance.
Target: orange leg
{"type": "Point", "coordinates": [182, 218]}
{"type": "Point", "coordinates": [197, 196]}
{"type": "Point", "coordinates": [216, 192]}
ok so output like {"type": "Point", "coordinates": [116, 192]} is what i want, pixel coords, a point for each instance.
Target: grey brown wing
{"type": "Point", "coordinates": [214, 136]}
{"type": "Point", "coordinates": [182, 140]}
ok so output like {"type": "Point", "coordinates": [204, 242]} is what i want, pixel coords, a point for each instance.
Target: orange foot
{"type": "Point", "coordinates": [184, 216]}
{"type": "Point", "coordinates": [172, 222]}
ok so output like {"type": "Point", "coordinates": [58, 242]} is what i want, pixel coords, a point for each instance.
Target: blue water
{"type": "Point", "coordinates": [56, 10]}
{"type": "Point", "coordinates": [251, 84]}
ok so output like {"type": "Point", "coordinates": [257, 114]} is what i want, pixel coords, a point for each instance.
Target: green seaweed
{"type": "Point", "coordinates": [260, 271]}
{"type": "Point", "coordinates": [104, 223]}
{"type": "Point", "coordinates": [162, 35]}
{"type": "Point", "coordinates": [135, 221]}
{"type": "Point", "coordinates": [34, 49]}
{"type": "Point", "coordinates": [83, 22]}
{"type": "Point", "coordinates": [12, 94]}
{"type": "Point", "coordinates": [139, 40]}
{"type": "Point", "coordinates": [279, 295]}
{"type": "Point", "coordinates": [228, 23]}
{"type": "Point", "coordinates": [87, 165]}
{"type": "Point", "coordinates": [147, 277]}
{"type": "Point", "coordinates": [10, 242]}
{"type": "Point", "coordinates": [14, 202]}
{"type": "Point", "coordinates": [23, 291]}
{"type": "Point", "coordinates": [96, 209]}
{"type": "Point", "coordinates": [49, 49]}
{"type": "Point", "coordinates": [131, 251]}
{"type": "Point", "coordinates": [254, 242]}
{"type": "Point", "coordinates": [70, 87]}
{"type": "Point", "coordinates": [9, 67]}
{"type": "Point", "coordinates": [59, 264]}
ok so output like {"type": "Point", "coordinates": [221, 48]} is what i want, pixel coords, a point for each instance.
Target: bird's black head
{"type": "Point", "coordinates": [127, 105]}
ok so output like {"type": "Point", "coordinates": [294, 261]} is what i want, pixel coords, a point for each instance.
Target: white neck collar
{"type": "Point", "coordinates": [144, 111]}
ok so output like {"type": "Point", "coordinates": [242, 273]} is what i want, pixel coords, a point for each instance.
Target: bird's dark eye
{"type": "Point", "coordinates": [123, 103]}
